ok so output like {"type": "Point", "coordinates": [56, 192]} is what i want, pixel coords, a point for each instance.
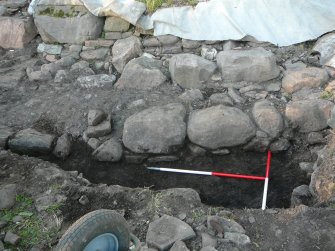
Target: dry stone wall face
{"type": "Point", "coordinates": [232, 93]}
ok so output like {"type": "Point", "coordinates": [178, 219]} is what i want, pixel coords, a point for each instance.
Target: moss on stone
{"type": "Point", "coordinates": [59, 13]}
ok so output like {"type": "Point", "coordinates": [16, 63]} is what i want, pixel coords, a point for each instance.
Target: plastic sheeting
{"type": "Point", "coordinates": [129, 10]}
{"type": "Point", "coordinates": [281, 22]}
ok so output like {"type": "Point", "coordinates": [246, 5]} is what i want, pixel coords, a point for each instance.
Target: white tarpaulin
{"type": "Point", "coordinates": [281, 22]}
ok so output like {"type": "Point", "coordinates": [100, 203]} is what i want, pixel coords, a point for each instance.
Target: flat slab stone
{"type": "Point", "coordinates": [98, 81]}
{"type": "Point", "coordinates": [159, 129]}
{"type": "Point", "coordinates": [220, 126]}
{"type": "Point", "coordinates": [252, 65]}
{"type": "Point", "coordinates": [165, 231]}
{"type": "Point", "coordinates": [99, 130]}
{"type": "Point", "coordinates": [30, 141]}
{"type": "Point", "coordinates": [53, 49]}
{"type": "Point", "coordinates": [309, 115]}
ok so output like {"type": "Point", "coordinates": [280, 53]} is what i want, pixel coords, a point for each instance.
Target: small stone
{"type": "Point", "coordinates": [208, 53]}
{"type": "Point", "coordinates": [166, 158]}
{"type": "Point", "coordinates": [280, 145]}
{"type": "Point", "coordinates": [254, 87]}
{"type": "Point", "coordinates": [179, 246]}
{"type": "Point", "coordinates": [99, 130]}
{"type": "Point", "coordinates": [182, 216]}
{"type": "Point", "coordinates": [190, 44]}
{"type": "Point", "coordinates": [151, 42]}
{"type": "Point", "coordinates": [221, 152]}
{"type": "Point", "coordinates": [137, 103]}
{"type": "Point", "coordinates": [39, 76]}
{"type": "Point", "coordinates": [172, 49]}
{"type": "Point", "coordinates": [113, 35]}
{"type": "Point", "coordinates": [126, 34]}
{"type": "Point", "coordinates": [95, 117]}
{"type": "Point", "coordinates": [61, 76]}
{"type": "Point", "coordinates": [168, 39]}
{"type": "Point", "coordinates": [96, 54]}
{"type": "Point", "coordinates": [229, 45]}
{"type": "Point", "coordinates": [251, 219]}
{"type": "Point", "coordinates": [297, 66]}
{"type": "Point", "coordinates": [223, 225]}
{"type": "Point", "coordinates": [301, 196]}
{"type": "Point", "coordinates": [63, 146]}
{"type": "Point", "coordinates": [7, 196]}
{"type": "Point", "coordinates": [51, 58]}
{"type": "Point", "coordinates": [83, 200]}
{"type": "Point", "coordinates": [208, 248]}
{"type": "Point", "coordinates": [3, 224]}
{"type": "Point", "coordinates": [220, 99]}
{"type": "Point", "coordinates": [5, 134]}
{"type": "Point", "coordinates": [66, 61]}
{"type": "Point", "coordinates": [135, 159]}
{"type": "Point", "coordinates": [98, 81]}
{"type": "Point", "coordinates": [2, 246]}
{"type": "Point", "coordinates": [208, 240]}
{"type": "Point", "coordinates": [17, 219]}
{"type": "Point", "coordinates": [93, 143]}
{"type": "Point", "coordinates": [98, 65]}
{"type": "Point", "coordinates": [110, 150]}
{"type": "Point", "coordinates": [234, 94]}
{"type": "Point", "coordinates": [237, 238]}
{"type": "Point", "coordinates": [315, 138]}
{"type": "Point", "coordinates": [11, 238]}
{"type": "Point", "coordinates": [306, 167]}
{"type": "Point", "coordinates": [53, 49]}
{"type": "Point", "coordinates": [116, 24]}
{"type": "Point", "coordinates": [99, 43]}
{"type": "Point", "coordinates": [196, 150]}
{"type": "Point", "coordinates": [80, 65]}
{"type": "Point", "coordinates": [192, 95]}
{"type": "Point", "coordinates": [273, 87]}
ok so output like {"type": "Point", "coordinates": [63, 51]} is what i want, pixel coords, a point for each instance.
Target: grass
{"type": "Point", "coordinates": [326, 95]}
{"type": "Point", "coordinates": [31, 229]}
{"type": "Point", "coordinates": [153, 5]}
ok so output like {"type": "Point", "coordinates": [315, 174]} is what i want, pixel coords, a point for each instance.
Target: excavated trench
{"type": "Point", "coordinates": [285, 175]}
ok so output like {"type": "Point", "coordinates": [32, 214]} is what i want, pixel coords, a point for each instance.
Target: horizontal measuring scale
{"type": "Point", "coordinates": [227, 175]}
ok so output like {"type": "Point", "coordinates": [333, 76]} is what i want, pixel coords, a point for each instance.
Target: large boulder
{"type": "Point", "coordinates": [159, 129]}
{"type": "Point", "coordinates": [311, 77]}
{"type": "Point", "coordinates": [220, 126]}
{"type": "Point", "coordinates": [30, 141]}
{"type": "Point", "coordinates": [191, 71]}
{"type": "Point", "coordinates": [309, 115]}
{"type": "Point", "coordinates": [125, 50]}
{"type": "Point", "coordinates": [16, 32]}
{"type": "Point", "coordinates": [142, 73]}
{"type": "Point", "coordinates": [72, 24]}
{"type": "Point", "coordinates": [252, 65]}
{"type": "Point", "coordinates": [267, 118]}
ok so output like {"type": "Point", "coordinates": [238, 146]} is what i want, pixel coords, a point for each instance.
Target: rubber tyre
{"type": "Point", "coordinates": [92, 225]}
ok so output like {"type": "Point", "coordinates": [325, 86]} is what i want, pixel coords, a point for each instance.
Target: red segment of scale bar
{"type": "Point", "coordinates": [238, 176]}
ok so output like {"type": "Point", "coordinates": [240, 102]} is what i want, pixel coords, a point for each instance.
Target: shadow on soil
{"type": "Point", "coordinates": [285, 175]}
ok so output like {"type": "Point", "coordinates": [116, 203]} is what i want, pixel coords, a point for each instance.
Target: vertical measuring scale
{"type": "Point", "coordinates": [228, 175]}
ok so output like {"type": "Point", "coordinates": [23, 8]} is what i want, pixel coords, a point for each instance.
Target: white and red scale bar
{"type": "Point", "coordinates": [227, 175]}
